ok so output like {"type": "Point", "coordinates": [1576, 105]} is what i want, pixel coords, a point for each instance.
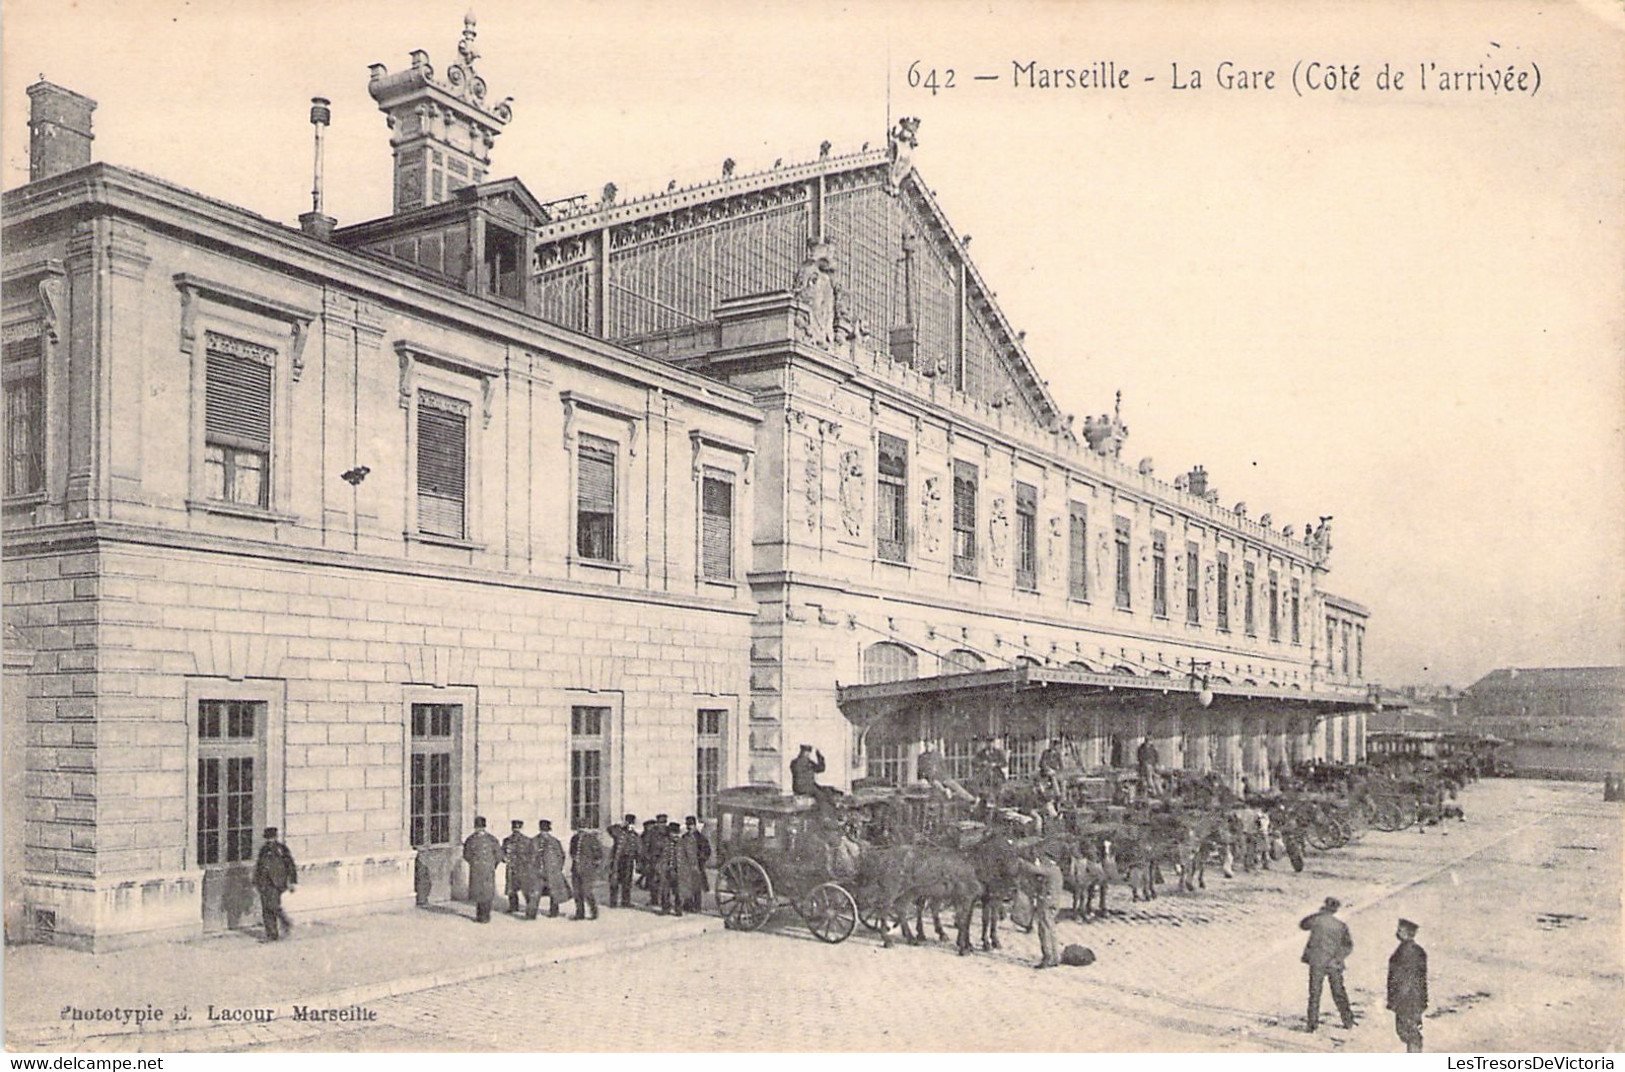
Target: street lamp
{"type": "Point", "coordinates": [1199, 675]}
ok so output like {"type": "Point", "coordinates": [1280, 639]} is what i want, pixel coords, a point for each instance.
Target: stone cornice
{"type": "Point", "coordinates": [87, 535]}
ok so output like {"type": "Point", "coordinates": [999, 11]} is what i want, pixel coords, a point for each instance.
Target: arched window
{"type": "Point", "coordinates": [962, 661]}
{"type": "Point", "coordinates": [889, 662]}
{"type": "Point", "coordinates": [1027, 660]}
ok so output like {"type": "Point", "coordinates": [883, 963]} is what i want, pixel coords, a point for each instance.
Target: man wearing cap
{"type": "Point", "coordinates": [550, 861]}
{"type": "Point", "coordinates": [1146, 759]}
{"type": "Point", "coordinates": [1047, 889]}
{"type": "Point", "coordinates": [586, 864]}
{"type": "Point", "coordinates": [804, 772]}
{"type": "Point", "coordinates": [702, 856]}
{"type": "Point", "coordinates": [1408, 986]}
{"type": "Point", "coordinates": [1328, 947]}
{"type": "Point", "coordinates": [624, 853]}
{"type": "Point", "coordinates": [274, 875]}
{"type": "Point", "coordinates": [1049, 769]}
{"type": "Point", "coordinates": [482, 852]}
{"type": "Point", "coordinates": [518, 851]}
{"type": "Point", "coordinates": [990, 763]}
{"type": "Point", "coordinates": [933, 770]}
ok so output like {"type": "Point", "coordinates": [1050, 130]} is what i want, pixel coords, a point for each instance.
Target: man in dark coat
{"type": "Point", "coordinates": [550, 861]}
{"type": "Point", "coordinates": [1328, 947]}
{"type": "Point", "coordinates": [274, 875]}
{"type": "Point", "coordinates": [586, 864]}
{"type": "Point", "coordinates": [482, 852]}
{"type": "Point", "coordinates": [623, 860]}
{"type": "Point", "coordinates": [1146, 759]}
{"type": "Point", "coordinates": [1050, 765]}
{"type": "Point", "coordinates": [646, 863]}
{"type": "Point", "coordinates": [681, 880]}
{"type": "Point", "coordinates": [992, 768]}
{"type": "Point", "coordinates": [1408, 986]}
{"type": "Point", "coordinates": [702, 856]}
{"type": "Point", "coordinates": [804, 772]}
{"type": "Point", "coordinates": [516, 849]}
{"type": "Point", "coordinates": [654, 839]}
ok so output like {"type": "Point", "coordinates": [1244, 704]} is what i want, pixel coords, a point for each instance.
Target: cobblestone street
{"type": "Point", "coordinates": [1520, 913]}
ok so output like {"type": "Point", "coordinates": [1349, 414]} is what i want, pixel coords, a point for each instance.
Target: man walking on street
{"type": "Point", "coordinates": [1408, 986]}
{"type": "Point", "coordinates": [274, 875]}
{"type": "Point", "coordinates": [586, 864]}
{"type": "Point", "coordinates": [550, 860]}
{"type": "Point", "coordinates": [482, 852]}
{"type": "Point", "coordinates": [516, 848]}
{"type": "Point", "coordinates": [1328, 947]}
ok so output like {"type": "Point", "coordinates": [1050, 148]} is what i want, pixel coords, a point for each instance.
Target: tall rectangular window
{"type": "Point", "coordinates": [891, 500]}
{"type": "Point", "coordinates": [1359, 652]}
{"type": "Point", "coordinates": [1077, 583]}
{"type": "Point", "coordinates": [1297, 636]}
{"type": "Point", "coordinates": [1026, 536]}
{"type": "Point", "coordinates": [433, 778]}
{"type": "Point", "coordinates": [230, 779]}
{"type": "Point", "coordinates": [888, 763]}
{"type": "Point", "coordinates": [442, 458]}
{"type": "Point", "coordinates": [595, 499]}
{"type": "Point", "coordinates": [237, 420]}
{"type": "Point", "coordinates": [1193, 583]}
{"type": "Point", "coordinates": [1224, 591]}
{"type": "Point", "coordinates": [1331, 645]}
{"type": "Point", "coordinates": [710, 732]}
{"type": "Point", "coordinates": [25, 418]}
{"type": "Point", "coordinates": [717, 525]}
{"type": "Point", "coordinates": [1124, 565]}
{"type": "Point", "coordinates": [965, 518]}
{"type": "Point", "coordinates": [1346, 646]}
{"type": "Point", "coordinates": [1250, 580]}
{"type": "Point", "coordinates": [1275, 606]}
{"type": "Point", "coordinates": [589, 769]}
{"type": "Point", "coordinates": [1159, 574]}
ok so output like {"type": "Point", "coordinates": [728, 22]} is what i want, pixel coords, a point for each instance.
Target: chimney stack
{"type": "Point", "coordinates": [59, 134]}
{"type": "Point", "coordinates": [316, 223]}
{"type": "Point", "coordinates": [1197, 479]}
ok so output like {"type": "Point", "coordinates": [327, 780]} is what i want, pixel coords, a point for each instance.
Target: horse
{"type": "Point", "coordinates": [1088, 874]}
{"type": "Point", "coordinates": [999, 868]}
{"type": "Point", "coordinates": [890, 879]}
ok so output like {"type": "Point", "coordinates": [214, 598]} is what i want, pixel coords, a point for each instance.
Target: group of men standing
{"type": "Point", "coordinates": [665, 859]}
{"type": "Point", "coordinates": [535, 868]}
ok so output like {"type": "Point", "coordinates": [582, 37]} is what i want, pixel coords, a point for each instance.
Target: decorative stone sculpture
{"type": "Point", "coordinates": [931, 514]}
{"type": "Point", "coordinates": [815, 290]}
{"type": "Point", "coordinates": [998, 532]}
{"type": "Point", "coordinates": [853, 483]}
{"type": "Point", "coordinates": [901, 142]}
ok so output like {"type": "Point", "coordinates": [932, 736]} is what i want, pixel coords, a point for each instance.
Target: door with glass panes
{"type": "Point", "coordinates": [433, 790]}
{"type": "Point", "coordinates": [230, 808]}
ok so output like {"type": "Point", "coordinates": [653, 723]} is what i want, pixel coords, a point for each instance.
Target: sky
{"type": "Point", "coordinates": [1402, 307]}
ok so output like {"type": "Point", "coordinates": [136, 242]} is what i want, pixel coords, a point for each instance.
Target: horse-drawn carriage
{"type": "Point", "coordinates": [781, 850]}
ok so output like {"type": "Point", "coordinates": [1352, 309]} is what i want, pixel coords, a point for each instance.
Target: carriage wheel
{"type": "Point", "coordinates": [744, 894]}
{"type": "Point", "coordinates": [830, 912]}
{"type": "Point", "coordinates": [871, 918]}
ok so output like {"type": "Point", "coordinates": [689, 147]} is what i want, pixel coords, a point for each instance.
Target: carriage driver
{"type": "Point", "coordinates": [804, 771]}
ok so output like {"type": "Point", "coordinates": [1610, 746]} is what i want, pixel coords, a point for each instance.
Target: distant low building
{"type": "Point", "coordinates": [1563, 722]}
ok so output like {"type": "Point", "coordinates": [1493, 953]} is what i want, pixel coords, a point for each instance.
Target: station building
{"type": "Point", "coordinates": [558, 509]}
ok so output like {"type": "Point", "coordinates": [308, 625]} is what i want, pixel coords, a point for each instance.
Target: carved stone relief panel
{"type": "Point", "coordinates": [998, 531]}
{"type": "Point", "coordinates": [931, 518]}
{"type": "Point", "coordinates": [853, 485]}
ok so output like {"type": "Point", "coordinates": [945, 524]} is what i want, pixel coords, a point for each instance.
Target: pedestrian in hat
{"type": "Point", "coordinates": [586, 864]}
{"type": "Point", "coordinates": [274, 875]}
{"type": "Point", "coordinates": [702, 854]}
{"type": "Point", "coordinates": [1328, 947]}
{"type": "Point", "coordinates": [518, 851]}
{"type": "Point", "coordinates": [1408, 986]}
{"type": "Point", "coordinates": [482, 852]}
{"type": "Point", "coordinates": [550, 860]}
{"type": "Point", "coordinates": [625, 851]}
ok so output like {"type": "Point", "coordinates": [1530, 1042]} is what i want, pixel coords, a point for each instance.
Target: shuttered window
{"type": "Point", "coordinates": [1250, 579]}
{"type": "Point", "coordinates": [1078, 545]}
{"type": "Point", "coordinates": [1222, 591]}
{"type": "Point", "coordinates": [891, 500]}
{"type": "Point", "coordinates": [1125, 591]}
{"type": "Point", "coordinates": [1193, 583]}
{"type": "Point", "coordinates": [1026, 536]}
{"type": "Point", "coordinates": [237, 420]}
{"type": "Point", "coordinates": [1159, 574]}
{"type": "Point", "coordinates": [965, 518]}
{"type": "Point", "coordinates": [25, 418]}
{"type": "Point", "coordinates": [442, 458]}
{"type": "Point", "coordinates": [717, 525]}
{"type": "Point", "coordinates": [595, 499]}
{"type": "Point", "coordinates": [1275, 606]}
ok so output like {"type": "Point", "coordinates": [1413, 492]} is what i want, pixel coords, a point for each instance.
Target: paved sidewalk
{"type": "Point", "coordinates": [335, 964]}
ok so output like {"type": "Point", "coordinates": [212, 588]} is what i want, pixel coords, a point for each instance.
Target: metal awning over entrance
{"type": "Point", "coordinates": [1034, 700]}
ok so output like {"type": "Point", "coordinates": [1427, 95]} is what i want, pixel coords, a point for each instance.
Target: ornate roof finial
{"type": "Point", "coordinates": [728, 168]}
{"type": "Point", "coordinates": [465, 47]}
